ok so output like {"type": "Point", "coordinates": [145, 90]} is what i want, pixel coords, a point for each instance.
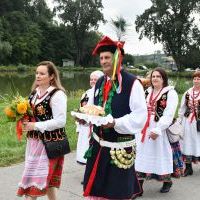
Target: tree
{"type": "Point", "coordinates": [39, 13]}
{"type": "Point", "coordinates": [128, 59]}
{"type": "Point", "coordinates": [5, 47]}
{"type": "Point", "coordinates": [192, 59]}
{"type": "Point", "coordinates": [57, 44]}
{"type": "Point", "coordinates": [91, 40]}
{"type": "Point", "coordinates": [23, 23]}
{"type": "Point", "coordinates": [171, 23]}
{"type": "Point", "coordinates": [82, 16]}
{"type": "Point", "coordinates": [120, 27]}
{"type": "Point", "coordinates": [24, 36]}
{"type": "Point", "coordinates": [7, 6]}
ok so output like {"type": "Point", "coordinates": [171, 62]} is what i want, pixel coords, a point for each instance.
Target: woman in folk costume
{"type": "Point", "coordinates": [154, 153]}
{"type": "Point", "coordinates": [189, 112]}
{"type": "Point", "coordinates": [178, 165]}
{"type": "Point", "coordinates": [42, 175]}
{"type": "Point", "coordinates": [110, 172]}
{"type": "Point", "coordinates": [83, 130]}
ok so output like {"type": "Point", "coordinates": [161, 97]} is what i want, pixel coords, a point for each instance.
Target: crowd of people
{"type": "Point", "coordinates": [124, 153]}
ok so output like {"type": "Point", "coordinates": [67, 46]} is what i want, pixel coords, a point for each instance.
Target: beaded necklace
{"type": "Point", "coordinates": [107, 106]}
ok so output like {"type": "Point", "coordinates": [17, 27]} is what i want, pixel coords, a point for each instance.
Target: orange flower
{"type": "Point", "coordinates": [9, 112]}
{"type": "Point", "coordinates": [22, 107]}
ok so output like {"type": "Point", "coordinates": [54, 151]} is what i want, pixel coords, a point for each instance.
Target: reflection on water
{"type": "Point", "coordinates": [22, 82]}
{"type": "Point", "coordinates": [71, 81]}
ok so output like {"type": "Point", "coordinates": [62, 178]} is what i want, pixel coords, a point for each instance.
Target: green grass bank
{"type": "Point", "coordinates": [12, 151]}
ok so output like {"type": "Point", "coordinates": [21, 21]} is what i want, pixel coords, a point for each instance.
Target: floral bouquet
{"type": "Point", "coordinates": [18, 110]}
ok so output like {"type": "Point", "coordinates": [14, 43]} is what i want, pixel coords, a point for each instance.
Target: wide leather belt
{"type": "Point", "coordinates": [113, 145]}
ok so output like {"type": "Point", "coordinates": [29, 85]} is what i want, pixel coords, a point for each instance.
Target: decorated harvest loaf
{"type": "Point", "coordinates": [92, 110]}
{"type": "Point", "coordinates": [145, 82]}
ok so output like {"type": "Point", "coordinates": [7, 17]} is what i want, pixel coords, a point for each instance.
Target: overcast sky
{"type": "Point", "coordinates": [128, 9]}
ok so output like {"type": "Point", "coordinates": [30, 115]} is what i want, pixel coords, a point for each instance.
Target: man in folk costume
{"type": "Point", "coordinates": [110, 172]}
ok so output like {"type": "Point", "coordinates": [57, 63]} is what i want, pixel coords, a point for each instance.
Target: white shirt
{"type": "Point", "coordinates": [58, 104]}
{"type": "Point", "coordinates": [134, 122]}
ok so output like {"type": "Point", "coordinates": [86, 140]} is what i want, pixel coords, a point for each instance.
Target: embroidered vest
{"type": "Point", "coordinates": [188, 110]}
{"type": "Point", "coordinates": [42, 112]}
{"type": "Point", "coordinates": [161, 104]}
{"type": "Point", "coordinates": [119, 107]}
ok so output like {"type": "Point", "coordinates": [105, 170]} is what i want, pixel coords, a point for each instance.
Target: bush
{"type": "Point", "coordinates": [181, 85]}
{"type": "Point", "coordinates": [21, 68]}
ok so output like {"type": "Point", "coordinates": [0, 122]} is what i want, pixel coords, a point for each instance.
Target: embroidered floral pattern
{"type": "Point", "coordinates": [149, 176]}
{"type": "Point", "coordinates": [40, 110]}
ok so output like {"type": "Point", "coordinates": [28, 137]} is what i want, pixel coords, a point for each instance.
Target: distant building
{"type": "Point", "coordinates": [68, 62]}
{"type": "Point", "coordinates": [170, 63]}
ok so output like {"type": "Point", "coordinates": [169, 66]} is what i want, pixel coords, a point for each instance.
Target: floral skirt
{"type": "Point", "coordinates": [178, 165]}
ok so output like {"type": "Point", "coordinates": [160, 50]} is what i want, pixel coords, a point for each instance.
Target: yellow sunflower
{"type": "Point", "coordinates": [22, 107]}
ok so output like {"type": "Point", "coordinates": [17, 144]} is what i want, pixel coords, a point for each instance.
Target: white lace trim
{"type": "Point", "coordinates": [96, 120]}
{"type": "Point", "coordinates": [31, 185]}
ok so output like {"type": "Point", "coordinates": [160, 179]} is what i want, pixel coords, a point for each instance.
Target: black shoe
{"type": "Point", "coordinates": [188, 170]}
{"type": "Point", "coordinates": [166, 187]}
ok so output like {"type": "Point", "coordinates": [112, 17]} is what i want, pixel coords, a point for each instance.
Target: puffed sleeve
{"type": "Point", "coordinates": [134, 122]}
{"type": "Point", "coordinates": [168, 114]}
{"type": "Point", "coordinates": [59, 110]}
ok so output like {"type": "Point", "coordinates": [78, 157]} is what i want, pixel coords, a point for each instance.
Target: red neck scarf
{"type": "Point", "coordinates": [152, 102]}
{"type": "Point", "coordinates": [106, 90]}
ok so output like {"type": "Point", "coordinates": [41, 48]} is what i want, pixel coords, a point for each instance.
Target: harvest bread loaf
{"type": "Point", "coordinates": [92, 110]}
{"type": "Point", "coordinates": [145, 82]}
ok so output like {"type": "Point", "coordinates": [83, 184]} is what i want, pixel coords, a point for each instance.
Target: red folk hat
{"type": "Point", "coordinates": [115, 47]}
{"type": "Point", "coordinates": [106, 44]}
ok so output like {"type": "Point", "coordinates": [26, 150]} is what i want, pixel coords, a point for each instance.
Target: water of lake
{"type": "Point", "coordinates": [72, 81]}
{"type": "Point", "coordinates": [22, 82]}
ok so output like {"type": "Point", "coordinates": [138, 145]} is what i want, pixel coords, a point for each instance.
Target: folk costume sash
{"type": "Point", "coordinates": [151, 108]}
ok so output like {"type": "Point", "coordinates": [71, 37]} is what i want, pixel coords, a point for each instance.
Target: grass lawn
{"type": "Point", "coordinates": [12, 151]}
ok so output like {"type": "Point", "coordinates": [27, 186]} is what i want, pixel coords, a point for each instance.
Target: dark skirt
{"type": "Point", "coordinates": [110, 181]}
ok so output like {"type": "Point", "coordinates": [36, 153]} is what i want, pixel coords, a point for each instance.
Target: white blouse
{"type": "Point", "coordinates": [58, 105]}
